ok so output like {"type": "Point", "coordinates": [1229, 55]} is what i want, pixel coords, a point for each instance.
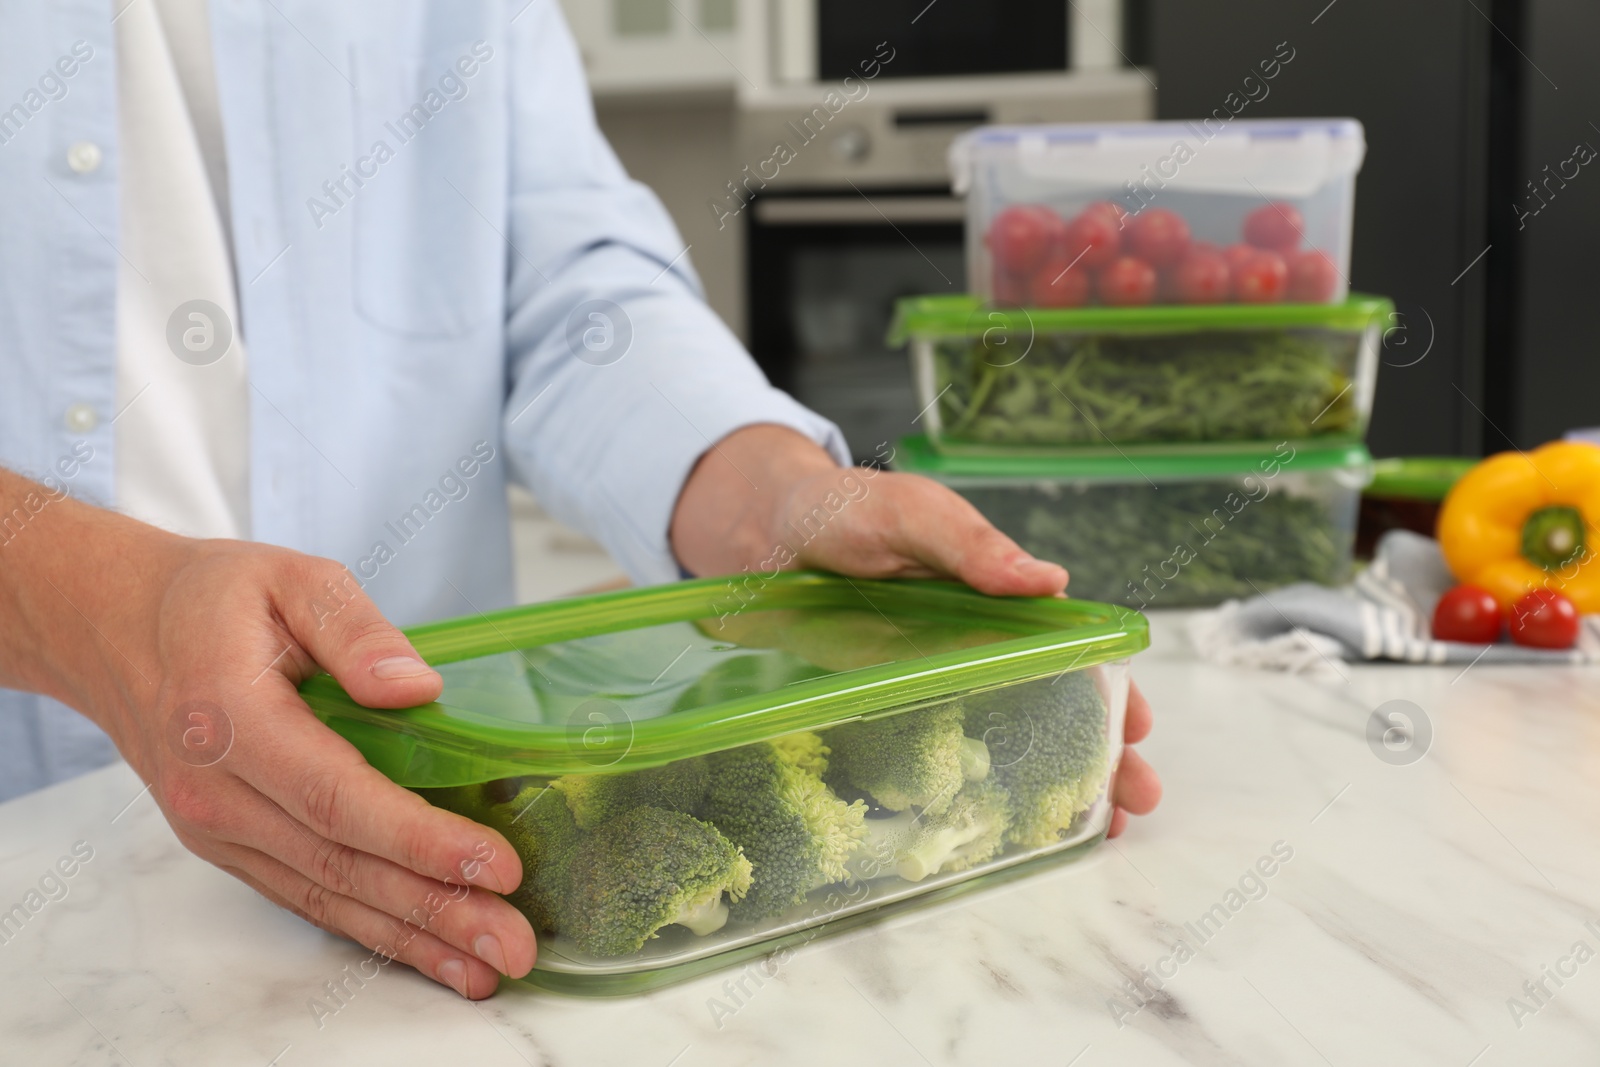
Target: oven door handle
{"type": "Point", "coordinates": [858, 211]}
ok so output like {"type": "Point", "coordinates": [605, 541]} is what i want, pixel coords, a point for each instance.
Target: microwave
{"type": "Point", "coordinates": [806, 42]}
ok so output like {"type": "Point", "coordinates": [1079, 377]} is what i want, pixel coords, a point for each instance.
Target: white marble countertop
{"type": "Point", "coordinates": [1418, 900]}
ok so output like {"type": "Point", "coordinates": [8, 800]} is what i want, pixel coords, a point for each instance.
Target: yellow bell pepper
{"type": "Point", "coordinates": [1521, 521]}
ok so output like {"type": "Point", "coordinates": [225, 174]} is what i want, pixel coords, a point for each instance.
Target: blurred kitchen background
{"type": "Point", "coordinates": [1468, 211]}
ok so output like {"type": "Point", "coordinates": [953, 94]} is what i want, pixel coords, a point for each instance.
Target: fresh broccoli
{"type": "Point", "coordinates": [541, 829]}
{"type": "Point", "coordinates": [916, 758]}
{"type": "Point", "coordinates": [612, 888]}
{"type": "Point", "coordinates": [596, 798]}
{"type": "Point", "coordinates": [644, 870]}
{"type": "Point", "coordinates": [1047, 740]}
{"type": "Point", "coordinates": [533, 818]}
{"type": "Point", "coordinates": [971, 830]}
{"type": "Point", "coordinates": [770, 800]}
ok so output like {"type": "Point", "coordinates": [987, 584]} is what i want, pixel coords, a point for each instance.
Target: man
{"type": "Point", "coordinates": [325, 276]}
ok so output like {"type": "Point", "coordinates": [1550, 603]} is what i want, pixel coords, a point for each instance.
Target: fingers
{"type": "Point", "coordinates": [941, 530]}
{"type": "Point", "coordinates": [1136, 725]}
{"type": "Point", "coordinates": [343, 630]}
{"type": "Point", "coordinates": [475, 921]}
{"type": "Point", "coordinates": [1119, 822]}
{"type": "Point", "coordinates": [1137, 789]}
{"type": "Point", "coordinates": [321, 781]}
{"type": "Point", "coordinates": [408, 942]}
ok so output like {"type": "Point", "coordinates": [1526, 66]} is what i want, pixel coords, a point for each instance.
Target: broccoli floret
{"type": "Point", "coordinates": [1047, 741]}
{"type": "Point", "coordinates": [596, 798]}
{"type": "Point", "coordinates": [971, 830]}
{"type": "Point", "coordinates": [612, 888]}
{"type": "Point", "coordinates": [770, 800]}
{"type": "Point", "coordinates": [533, 817]}
{"type": "Point", "coordinates": [916, 758]}
{"type": "Point", "coordinates": [647, 869]}
{"type": "Point", "coordinates": [539, 826]}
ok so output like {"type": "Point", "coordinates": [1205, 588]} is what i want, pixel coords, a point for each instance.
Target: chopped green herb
{"type": "Point", "coordinates": [1176, 546]}
{"type": "Point", "coordinates": [1075, 389]}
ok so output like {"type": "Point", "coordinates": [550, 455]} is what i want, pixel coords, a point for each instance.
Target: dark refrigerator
{"type": "Point", "coordinates": [1477, 209]}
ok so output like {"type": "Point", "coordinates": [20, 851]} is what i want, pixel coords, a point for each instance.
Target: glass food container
{"type": "Point", "coordinates": [702, 773]}
{"type": "Point", "coordinates": [1173, 528]}
{"type": "Point", "coordinates": [1049, 205]}
{"type": "Point", "coordinates": [1048, 381]}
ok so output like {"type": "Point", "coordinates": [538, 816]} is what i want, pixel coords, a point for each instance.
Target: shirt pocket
{"type": "Point", "coordinates": [430, 157]}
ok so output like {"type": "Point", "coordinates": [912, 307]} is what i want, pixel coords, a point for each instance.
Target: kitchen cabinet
{"type": "Point", "coordinates": [632, 47]}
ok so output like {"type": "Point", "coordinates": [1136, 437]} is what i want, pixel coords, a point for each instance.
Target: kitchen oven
{"type": "Point", "coordinates": [825, 268]}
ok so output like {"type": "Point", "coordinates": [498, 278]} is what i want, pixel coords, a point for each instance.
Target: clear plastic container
{"type": "Point", "coordinates": [1048, 381]}
{"type": "Point", "coordinates": [1172, 528]}
{"type": "Point", "coordinates": [1282, 186]}
{"type": "Point", "coordinates": [701, 773]}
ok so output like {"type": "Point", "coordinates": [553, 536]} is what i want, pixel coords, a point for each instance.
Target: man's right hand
{"type": "Point", "coordinates": [188, 653]}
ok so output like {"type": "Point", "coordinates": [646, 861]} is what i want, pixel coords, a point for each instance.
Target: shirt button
{"type": "Point", "coordinates": [83, 157]}
{"type": "Point", "coordinates": [81, 418]}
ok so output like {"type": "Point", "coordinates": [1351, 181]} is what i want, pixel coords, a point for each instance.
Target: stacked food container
{"type": "Point", "coordinates": [1159, 378]}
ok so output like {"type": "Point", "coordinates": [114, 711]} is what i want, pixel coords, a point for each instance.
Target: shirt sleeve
{"type": "Point", "coordinates": [621, 376]}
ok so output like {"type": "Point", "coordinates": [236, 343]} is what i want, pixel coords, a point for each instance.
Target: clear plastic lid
{"type": "Point", "coordinates": [1289, 158]}
{"type": "Point", "coordinates": [640, 678]}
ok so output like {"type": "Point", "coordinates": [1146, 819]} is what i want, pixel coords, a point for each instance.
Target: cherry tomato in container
{"type": "Point", "coordinates": [1058, 283]}
{"type": "Point", "coordinates": [1010, 290]}
{"type": "Point", "coordinates": [1093, 238]}
{"type": "Point", "coordinates": [1238, 255]}
{"type": "Point", "coordinates": [1543, 619]}
{"type": "Point", "coordinates": [1276, 227]}
{"type": "Point", "coordinates": [1158, 236]}
{"type": "Point", "coordinates": [1203, 278]}
{"type": "Point", "coordinates": [1128, 282]}
{"type": "Point", "coordinates": [1313, 278]}
{"type": "Point", "coordinates": [1022, 235]}
{"type": "Point", "coordinates": [1467, 613]}
{"type": "Point", "coordinates": [1261, 279]}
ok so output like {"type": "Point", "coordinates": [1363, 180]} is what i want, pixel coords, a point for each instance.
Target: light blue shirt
{"type": "Point", "coordinates": [446, 282]}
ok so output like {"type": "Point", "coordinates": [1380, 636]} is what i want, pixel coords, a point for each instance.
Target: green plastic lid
{"type": "Point", "coordinates": [1136, 463]}
{"type": "Point", "coordinates": [639, 678]}
{"type": "Point", "coordinates": [1426, 478]}
{"type": "Point", "coordinates": [965, 315]}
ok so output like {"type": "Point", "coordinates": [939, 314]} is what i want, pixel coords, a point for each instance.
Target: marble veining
{"type": "Point", "coordinates": [1425, 900]}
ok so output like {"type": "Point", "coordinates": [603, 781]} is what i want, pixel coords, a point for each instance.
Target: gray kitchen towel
{"type": "Point", "coordinates": [1386, 613]}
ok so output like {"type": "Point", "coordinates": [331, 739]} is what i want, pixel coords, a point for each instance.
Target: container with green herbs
{"type": "Point", "coordinates": [1170, 528]}
{"type": "Point", "coordinates": [999, 380]}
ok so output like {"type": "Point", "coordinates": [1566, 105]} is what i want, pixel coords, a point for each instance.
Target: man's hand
{"type": "Point", "coordinates": [188, 654]}
{"type": "Point", "coordinates": [749, 495]}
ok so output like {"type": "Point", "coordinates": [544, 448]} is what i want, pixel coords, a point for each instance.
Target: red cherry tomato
{"type": "Point", "coordinates": [1238, 255]}
{"type": "Point", "coordinates": [1093, 239]}
{"type": "Point", "coordinates": [1158, 236]}
{"type": "Point", "coordinates": [1261, 279]}
{"type": "Point", "coordinates": [1009, 290]}
{"type": "Point", "coordinates": [1275, 227]}
{"type": "Point", "coordinates": [1059, 284]}
{"type": "Point", "coordinates": [1203, 278]}
{"type": "Point", "coordinates": [1022, 235]}
{"type": "Point", "coordinates": [1313, 278]}
{"type": "Point", "coordinates": [1467, 613]}
{"type": "Point", "coordinates": [1127, 282]}
{"type": "Point", "coordinates": [1543, 619]}
{"type": "Point", "coordinates": [1167, 286]}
